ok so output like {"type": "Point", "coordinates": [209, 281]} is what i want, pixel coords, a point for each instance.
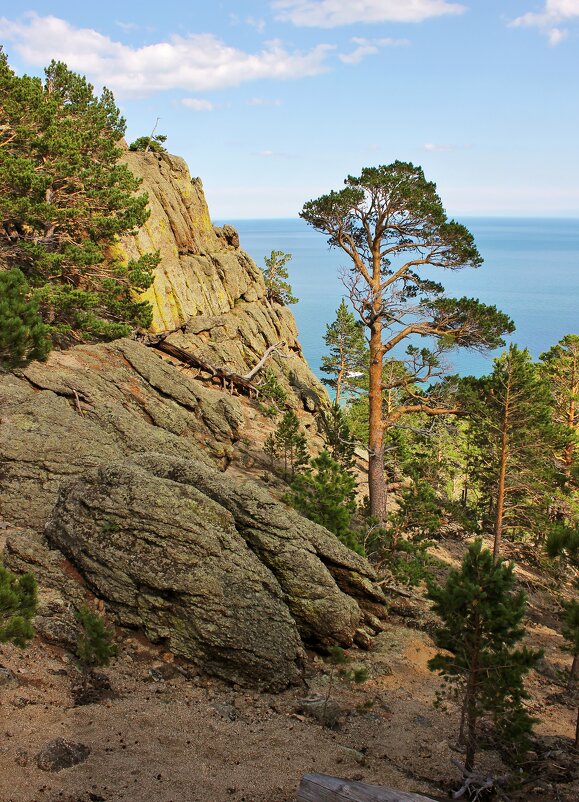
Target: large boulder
{"type": "Point", "coordinates": [168, 559]}
{"type": "Point", "coordinates": [117, 458]}
{"type": "Point", "coordinates": [125, 476]}
{"type": "Point", "coordinates": [93, 404]}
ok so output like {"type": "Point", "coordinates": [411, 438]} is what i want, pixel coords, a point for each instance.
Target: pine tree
{"type": "Point", "coordinates": [152, 143]}
{"type": "Point", "coordinates": [517, 442]}
{"type": "Point", "coordinates": [482, 622]}
{"type": "Point", "coordinates": [347, 361]}
{"type": "Point", "coordinates": [23, 335]}
{"type": "Point", "coordinates": [64, 200]}
{"type": "Point", "coordinates": [271, 390]}
{"type": "Point", "coordinates": [326, 493]}
{"type": "Point", "coordinates": [18, 604]}
{"type": "Point", "coordinates": [275, 274]}
{"type": "Point", "coordinates": [291, 445]}
{"type": "Point", "coordinates": [95, 645]}
{"type": "Point", "coordinates": [338, 438]}
{"type": "Point", "coordinates": [560, 366]}
{"type": "Point", "coordinates": [570, 632]}
{"type": "Point", "coordinates": [392, 226]}
{"type": "Point", "coordinates": [563, 542]}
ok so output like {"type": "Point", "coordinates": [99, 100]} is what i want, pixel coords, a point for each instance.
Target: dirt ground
{"type": "Point", "coordinates": [162, 735]}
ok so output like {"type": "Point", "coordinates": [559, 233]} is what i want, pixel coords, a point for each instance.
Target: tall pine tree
{"type": "Point", "coordinates": [64, 199]}
{"type": "Point", "coordinates": [563, 542]}
{"type": "Point", "coordinates": [517, 442]}
{"type": "Point", "coordinates": [560, 366]}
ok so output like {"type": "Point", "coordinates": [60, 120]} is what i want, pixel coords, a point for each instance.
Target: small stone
{"type": "Point", "coordinates": [60, 754]}
{"type": "Point", "coordinates": [8, 678]}
{"type": "Point", "coordinates": [362, 639]}
{"type": "Point", "coordinates": [354, 754]}
{"type": "Point", "coordinates": [226, 711]}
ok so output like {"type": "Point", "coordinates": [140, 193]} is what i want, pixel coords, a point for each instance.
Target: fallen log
{"type": "Point", "coordinates": [324, 788]}
{"type": "Point", "coordinates": [228, 379]}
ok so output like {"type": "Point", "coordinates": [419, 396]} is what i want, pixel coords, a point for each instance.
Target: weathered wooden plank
{"type": "Point", "coordinates": [324, 788]}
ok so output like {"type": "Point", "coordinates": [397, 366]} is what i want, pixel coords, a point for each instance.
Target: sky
{"type": "Point", "coordinates": [274, 102]}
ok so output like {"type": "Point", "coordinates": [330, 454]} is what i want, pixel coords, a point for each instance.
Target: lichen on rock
{"type": "Point", "coordinates": [118, 480]}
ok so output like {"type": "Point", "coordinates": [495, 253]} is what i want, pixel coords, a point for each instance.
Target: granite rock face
{"type": "Point", "coordinates": [169, 560]}
{"type": "Point", "coordinates": [117, 480]}
{"type": "Point", "coordinates": [117, 457]}
{"type": "Point", "coordinates": [206, 283]}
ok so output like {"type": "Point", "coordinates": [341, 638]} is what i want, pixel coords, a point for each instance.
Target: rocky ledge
{"type": "Point", "coordinates": [113, 479]}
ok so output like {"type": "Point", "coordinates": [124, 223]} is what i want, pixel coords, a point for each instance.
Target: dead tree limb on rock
{"type": "Point", "coordinates": [475, 784]}
{"type": "Point", "coordinates": [229, 380]}
{"type": "Point", "coordinates": [254, 371]}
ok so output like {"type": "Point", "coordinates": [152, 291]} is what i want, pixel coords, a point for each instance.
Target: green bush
{"type": "Point", "coordinates": [18, 604]}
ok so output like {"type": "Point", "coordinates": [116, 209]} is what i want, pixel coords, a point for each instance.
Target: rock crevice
{"type": "Point", "coordinates": [112, 467]}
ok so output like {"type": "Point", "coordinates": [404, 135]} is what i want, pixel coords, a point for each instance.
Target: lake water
{"type": "Point", "coordinates": [531, 272]}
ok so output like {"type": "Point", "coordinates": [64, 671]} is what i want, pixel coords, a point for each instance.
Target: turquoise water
{"type": "Point", "coordinates": [531, 272]}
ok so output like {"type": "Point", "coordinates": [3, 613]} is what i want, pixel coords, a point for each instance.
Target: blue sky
{"type": "Point", "coordinates": [274, 102]}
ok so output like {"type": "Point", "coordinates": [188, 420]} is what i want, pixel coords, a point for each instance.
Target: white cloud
{"type": "Point", "coordinates": [332, 13]}
{"type": "Point", "coordinates": [556, 35]}
{"type": "Point", "coordinates": [432, 147]}
{"type": "Point", "coordinates": [195, 62]}
{"type": "Point", "coordinates": [258, 24]}
{"type": "Point", "coordinates": [263, 101]}
{"type": "Point", "coordinates": [127, 26]}
{"type": "Point", "coordinates": [266, 153]}
{"type": "Point", "coordinates": [197, 104]}
{"type": "Point", "coordinates": [548, 20]}
{"type": "Point", "coordinates": [369, 47]}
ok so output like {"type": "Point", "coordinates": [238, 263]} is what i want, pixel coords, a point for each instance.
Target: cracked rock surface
{"type": "Point", "coordinates": [112, 464]}
{"type": "Point", "coordinates": [116, 457]}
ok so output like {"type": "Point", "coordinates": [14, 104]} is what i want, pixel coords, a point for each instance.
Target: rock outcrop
{"type": "Point", "coordinates": [120, 473]}
{"type": "Point", "coordinates": [206, 284]}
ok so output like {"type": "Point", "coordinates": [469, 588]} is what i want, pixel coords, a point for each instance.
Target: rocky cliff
{"type": "Point", "coordinates": [124, 477]}
{"type": "Point", "coordinates": [206, 283]}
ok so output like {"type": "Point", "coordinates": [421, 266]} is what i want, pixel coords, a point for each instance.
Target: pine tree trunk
{"type": "Point", "coordinates": [341, 375]}
{"type": "Point", "coordinates": [569, 453]}
{"type": "Point", "coordinates": [462, 721]}
{"type": "Point", "coordinates": [577, 732]}
{"type": "Point", "coordinates": [500, 510]}
{"type": "Point", "coordinates": [470, 702]}
{"type": "Point", "coordinates": [376, 478]}
{"type": "Point", "coordinates": [574, 672]}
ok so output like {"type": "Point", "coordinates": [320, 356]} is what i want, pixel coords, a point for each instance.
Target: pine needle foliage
{"type": "Point", "coordinates": [338, 437]}
{"type": "Point", "coordinates": [152, 143]}
{"type": "Point", "coordinates": [290, 446]}
{"type": "Point", "coordinates": [347, 361]}
{"type": "Point", "coordinates": [65, 199]}
{"type": "Point", "coordinates": [95, 645]}
{"type": "Point", "coordinates": [18, 604]}
{"type": "Point", "coordinates": [482, 623]}
{"type": "Point", "coordinates": [560, 367]}
{"type": "Point", "coordinates": [277, 288]}
{"type": "Point", "coordinates": [325, 493]}
{"type": "Point", "coordinates": [23, 335]}
{"type": "Point", "coordinates": [517, 443]}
